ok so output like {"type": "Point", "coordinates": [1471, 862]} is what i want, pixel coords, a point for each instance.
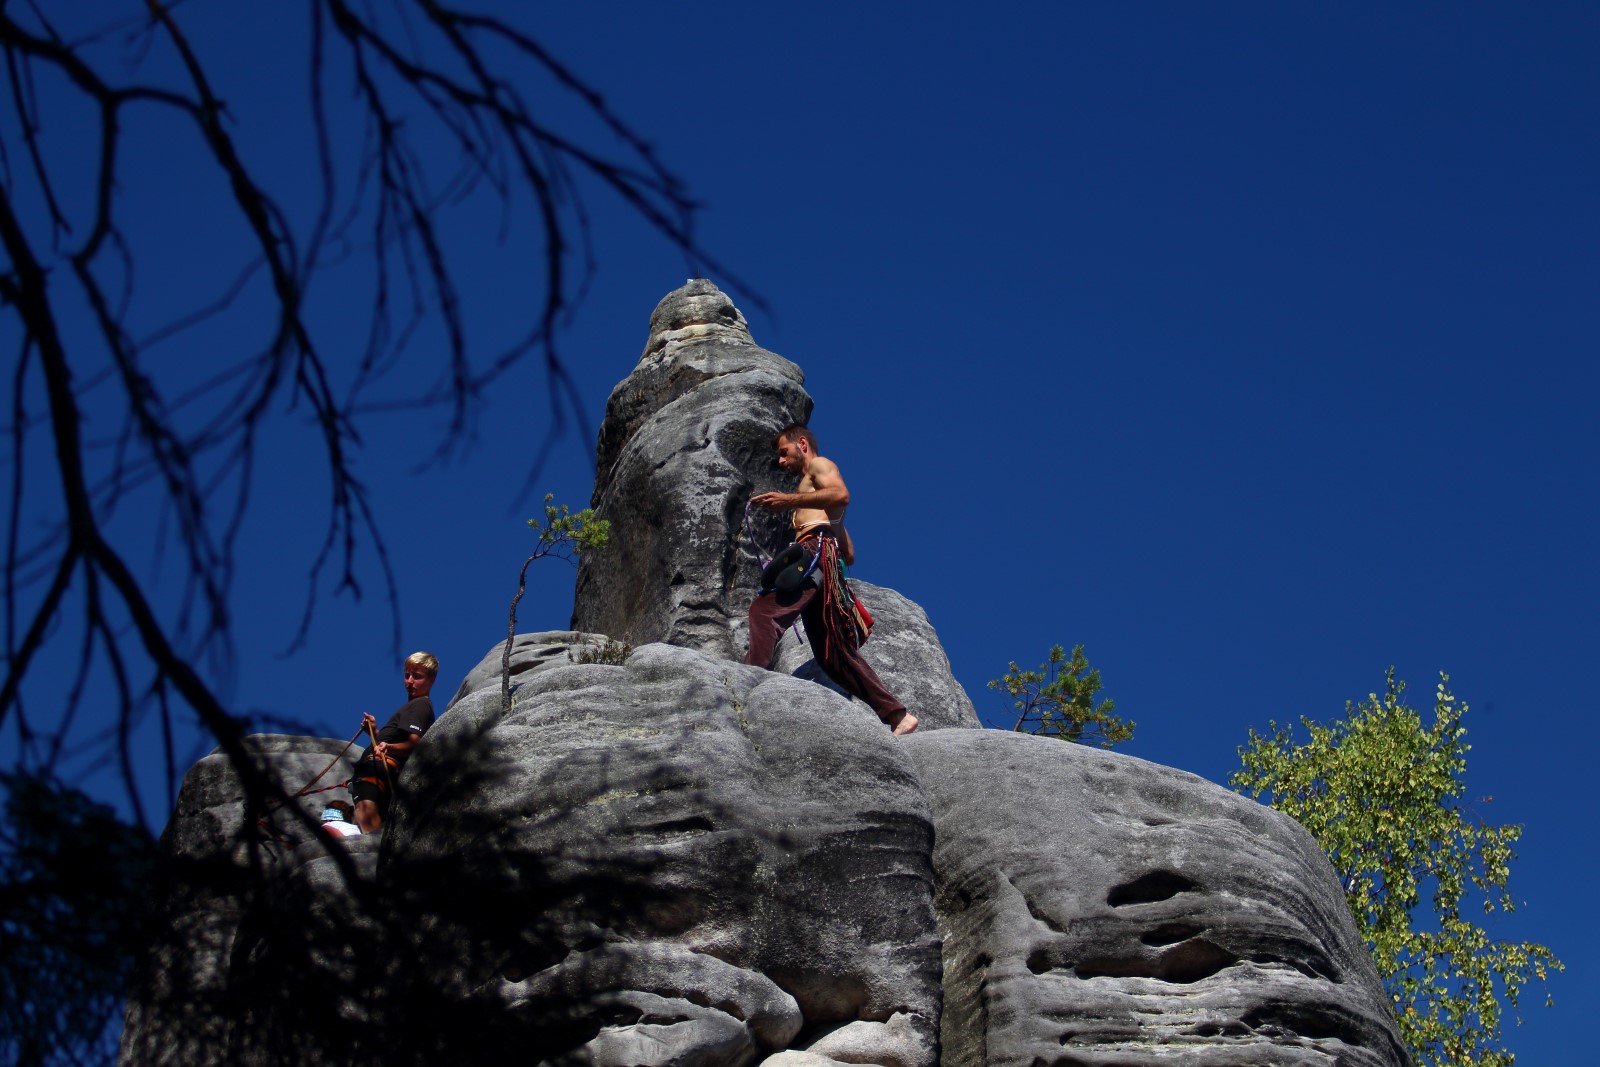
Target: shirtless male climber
{"type": "Point", "coordinates": [819, 505]}
{"type": "Point", "coordinates": [372, 783]}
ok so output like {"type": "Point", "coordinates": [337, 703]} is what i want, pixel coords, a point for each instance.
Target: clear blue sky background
{"type": "Point", "coordinates": [1253, 348]}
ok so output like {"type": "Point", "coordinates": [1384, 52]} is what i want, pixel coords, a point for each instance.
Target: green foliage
{"type": "Point", "coordinates": [566, 534]}
{"type": "Point", "coordinates": [1057, 700]}
{"type": "Point", "coordinates": [1382, 793]}
{"type": "Point", "coordinates": [73, 884]}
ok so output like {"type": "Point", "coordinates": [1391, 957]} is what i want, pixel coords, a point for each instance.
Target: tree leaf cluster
{"type": "Point", "coordinates": [568, 534]}
{"type": "Point", "coordinates": [1057, 700]}
{"type": "Point", "coordinates": [1425, 876]}
{"type": "Point", "coordinates": [564, 534]}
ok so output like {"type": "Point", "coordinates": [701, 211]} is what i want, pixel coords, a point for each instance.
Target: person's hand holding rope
{"type": "Point", "coordinates": [774, 501]}
{"type": "Point", "coordinates": [379, 749]}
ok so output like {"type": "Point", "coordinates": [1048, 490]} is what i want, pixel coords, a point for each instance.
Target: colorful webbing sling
{"type": "Point", "coordinates": [845, 618]}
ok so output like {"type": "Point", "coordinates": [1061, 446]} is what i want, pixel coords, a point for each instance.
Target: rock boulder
{"type": "Point", "coordinates": [225, 865]}
{"type": "Point", "coordinates": [686, 441]}
{"type": "Point", "coordinates": [674, 859]}
{"type": "Point", "coordinates": [1098, 909]}
{"type": "Point", "coordinates": [905, 652]}
{"type": "Point", "coordinates": [677, 831]}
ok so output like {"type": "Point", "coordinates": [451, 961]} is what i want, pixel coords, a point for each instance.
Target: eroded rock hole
{"type": "Point", "coordinates": [688, 825]}
{"type": "Point", "coordinates": [1149, 888]}
{"type": "Point", "coordinates": [1318, 967]}
{"type": "Point", "coordinates": [1305, 1021]}
{"type": "Point", "coordinates": [1042, 960]}
{"type": "Point", "coordinates": [1113, 968]}
{"type": "Point", "coordinates": [1186, 963]}
{"type": "Point", "coordinates": [1193, 961]}
{"type": "Point", "coordinates": [621, 1015]}
{"type": "Point", "coordinates": [1169, 934]}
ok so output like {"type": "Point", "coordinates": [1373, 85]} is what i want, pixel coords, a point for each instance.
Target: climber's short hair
{"type": "Point", "coordinates": [426, 660]}
{"type": "Point", "coordinates": [799, 432]}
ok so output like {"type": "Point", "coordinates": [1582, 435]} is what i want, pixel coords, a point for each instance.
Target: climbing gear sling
{"type": "Point", "coordinates": [845, 617]}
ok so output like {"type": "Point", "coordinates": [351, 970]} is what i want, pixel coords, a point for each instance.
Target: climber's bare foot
{"type": "Point", "coordinates": [904, 723]}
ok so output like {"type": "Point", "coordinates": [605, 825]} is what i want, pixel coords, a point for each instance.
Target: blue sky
{"type": "Point", "coordinates": [1253, 348]}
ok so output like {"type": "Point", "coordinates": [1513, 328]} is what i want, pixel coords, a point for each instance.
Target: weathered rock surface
{"type": "Point", "coordinates": [751, 828]}
{"type": "Point", "coordinates": [186, 1002]}
{"type": "Point", "coordinates": [682, 861]}
{"type": "Point", "coordinates": [1098, 909]}
{"type": "Point", "coordinates": [530, 653]}
{"type": "Point", "coordinates": [906, 653]}
{"type": "Point", "coordinates": [687, 440]}
{"type": "Point", "coordinates": [685, 861]}
{"type": "Point", "coordinates": [896, 1042]}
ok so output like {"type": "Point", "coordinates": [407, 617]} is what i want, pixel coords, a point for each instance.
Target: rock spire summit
{"type": "Point", "coordinates": [695, 312]}
{"type": "Point", "coordinates": [686, 441]}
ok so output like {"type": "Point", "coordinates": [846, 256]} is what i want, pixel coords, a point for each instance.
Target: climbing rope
{"type": "Point", "coordinates": [846, 618]}
{"type": "Point", "coordinates": [268, 829]}
{"type": "Point", "coordinates": [750, 532]}
{"type": "Point", "coordinates": [306, 789]}
{"type": "Point", "coordinates": [383, 761]}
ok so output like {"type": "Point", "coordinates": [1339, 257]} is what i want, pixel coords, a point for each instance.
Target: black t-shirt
{"type": "Point", "coordinates": [414, 717]}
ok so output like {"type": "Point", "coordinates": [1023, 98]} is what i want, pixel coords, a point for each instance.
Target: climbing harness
{"type": "Point", "coordinates": [789, 569]}
{"type": "Point", "coordinates": [386, 786]}
{"type": "Point", "coordinates": [844, 616]}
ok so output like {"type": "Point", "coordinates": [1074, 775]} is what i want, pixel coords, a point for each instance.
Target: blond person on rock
{"type": "Point", "coordinates": [372, 783]}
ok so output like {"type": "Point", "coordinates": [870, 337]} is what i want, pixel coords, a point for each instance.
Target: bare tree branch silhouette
{"type": "Point", "coordinates": [187, 446]}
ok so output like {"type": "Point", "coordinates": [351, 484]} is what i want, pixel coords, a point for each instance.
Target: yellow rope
{"type": "Point", "coordinates": [379, 759]}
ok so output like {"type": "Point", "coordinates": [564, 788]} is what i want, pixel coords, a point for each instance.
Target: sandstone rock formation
{"type": "Point", "coordinates": [530, 653]}
{"type": "Point", "coordinates": [686, 441]}
{"type": "Point", "coordinates": [1167, 920]}
{"type": "Point", "coordinates": [189, 997]}
{"type": "Point", "coordinates": [771, 835]}
{"type": "Point", "coordinates": [905, 652]}
{"type": "Point", "coordinates": [682, 860]}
